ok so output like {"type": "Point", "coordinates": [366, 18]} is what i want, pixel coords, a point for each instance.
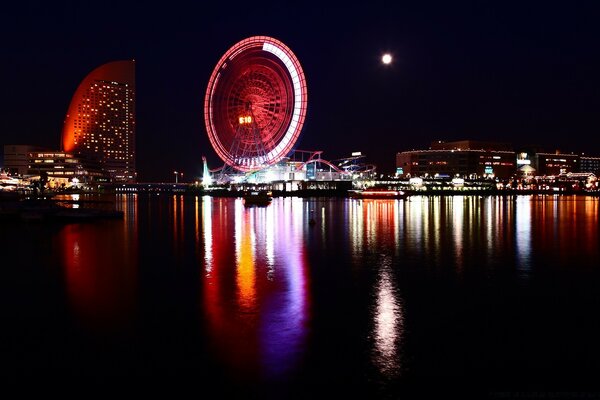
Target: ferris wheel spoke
{"type": "Point", "coordinates": [255, 85]}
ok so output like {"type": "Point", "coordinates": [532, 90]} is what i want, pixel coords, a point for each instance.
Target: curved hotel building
{"type": "Point", "coordinates": [100, 122]}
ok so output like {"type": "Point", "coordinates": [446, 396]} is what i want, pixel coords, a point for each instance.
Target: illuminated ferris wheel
{"type": "Point", "coordinates": [255, 103]}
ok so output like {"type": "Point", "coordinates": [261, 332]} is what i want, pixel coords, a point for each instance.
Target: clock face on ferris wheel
{"type": "Point", "coordinates": [255, 103]}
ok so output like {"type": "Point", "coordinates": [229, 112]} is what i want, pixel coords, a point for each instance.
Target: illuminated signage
{"type": "Point", "coordinates": [523, 159]}
{"type": "Point", "coordinates": [246, 119]}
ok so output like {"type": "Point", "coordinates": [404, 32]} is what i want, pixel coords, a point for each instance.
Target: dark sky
{"type": "Point", "coordinates": [521, 72]}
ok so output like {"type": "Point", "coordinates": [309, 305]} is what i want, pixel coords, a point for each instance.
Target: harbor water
{"type": "Point", "coordinates": [464, 294]}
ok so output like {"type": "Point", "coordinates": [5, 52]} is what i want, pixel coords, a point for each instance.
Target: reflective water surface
{"type": "Point", "coordinates": [382, 296]}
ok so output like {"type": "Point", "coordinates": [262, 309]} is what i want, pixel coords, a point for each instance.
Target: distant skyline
{"type": "Point", "coordinates": [518, 72]}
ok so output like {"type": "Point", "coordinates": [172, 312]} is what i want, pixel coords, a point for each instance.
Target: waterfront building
{"type": "Point", "coordinates": [64, 168]}
{"type": "Point", "coordinates": [466, 158]}
{"type": "Point", "coordinates": [548, 164]}
{"type": "Point", "coordinates": [471, 145]}
{"type": "Point", "coordinates": [100, 121]}
{"type": "Point", "coordinates": [590, 164]}
{"type": "Point", "coordinates": [16, 158]}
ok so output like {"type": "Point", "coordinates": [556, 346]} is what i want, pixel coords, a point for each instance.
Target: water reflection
{"type": "Point", "coordinates": [284, 328]}
{"type": "Point", "coordinates": [206, 231]}
{"type": "Point", "coordinates": [100, 266]}
{"type": "Point", "coordinates": [523, 234]}
{"type": "Point", "coordinates": [255, 285]}
{"type": "Point", "coordinates": [458, 230]}
{"type": "Point", "coordinates": [245, 244]}
{"type": "Point", "coordinates": [128, 203]}
{"type": "Point", "coordinates": [177, 213]}
{"type": "Point", "coordinates": [388, 323]}
{"type": "Point", "coordinates": [274, 297]}
{"type": "Point", "coordinates": [374, 225]}
{"type": "Point", "coordinates": [574, 227]}
{"type": "Point", "coordinates": [460, 235]}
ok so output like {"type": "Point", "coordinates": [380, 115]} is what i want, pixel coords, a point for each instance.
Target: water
{"type": "Point", "coordinates": [489, 295]}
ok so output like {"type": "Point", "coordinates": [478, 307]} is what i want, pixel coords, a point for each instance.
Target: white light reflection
{"type": "Point", "coordinates": [436, 216]}
{"type": "Point", "coordinates": [388, 323]}
{"type": "Point", "coordinates": [207, 232]}
{"type": "Point", "coordinates": [371, 221]}
{"type": "Point", "coordinates": [458, 215]}
{"type": "Point", "coordinates": [416, 219]}
{"type": "Point", "coordinates": [356, 226]}
{"type": "Point", "coordinates": [128, 203]}
{"type": "Point", "coordinates": [270, 241]}
{"type": "Point", "coordinates": [323, 223]}
{"type": "Point", "coordinates": [397, 226]}
{"type": "Point", "coordinates": [523, 235]}
{"type": "Point", "coordinates": [490, 206]}
{"type": "Point", "coordinates": [424, 223]}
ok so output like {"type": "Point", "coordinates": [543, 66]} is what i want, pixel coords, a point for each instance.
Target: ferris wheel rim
{"type": "Point", "coordinates": [284, 136]}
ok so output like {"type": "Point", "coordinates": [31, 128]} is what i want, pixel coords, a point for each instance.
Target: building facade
{"type": "Point", "coordinates": [590, 164]}
{"type": "Point", "coordinates": [16, 158]}
{"type": "Point", "coordinates": [467, 159]}
{"type": "Point", "coordinates": [63, 167]}
{"type": "Point", "coordinates": [471, 145]}
{"type": "Point", "coordinates": [100, 121]}
{"type": "Point", "coordinates": [547, 164]}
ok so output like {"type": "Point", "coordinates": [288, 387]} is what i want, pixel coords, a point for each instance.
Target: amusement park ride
{"type": "Point", "coordinates": [255, 104]}
{"type": "Point", "coordinates": [254, 109]}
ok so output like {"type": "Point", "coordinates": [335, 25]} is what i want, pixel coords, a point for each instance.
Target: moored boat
{"type": "Point", "coordinates": [378, 193]}
{"type": "Point", "coordinates": [257, 198]}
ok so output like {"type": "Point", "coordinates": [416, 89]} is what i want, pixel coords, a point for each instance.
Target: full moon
{"type": "Point", "coordinates": [386, 59]}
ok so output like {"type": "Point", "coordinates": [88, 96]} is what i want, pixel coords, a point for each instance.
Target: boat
{"type": "Point", "coordinates": [378, 193]}
{"type": "Point", "coordinates": [257, 198]}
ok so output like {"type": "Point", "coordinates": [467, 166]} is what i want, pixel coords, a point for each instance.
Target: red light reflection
{"type": "Point", "coordinates": [254, 284]}
{"type": "Point", "coordinates": [101, 284]}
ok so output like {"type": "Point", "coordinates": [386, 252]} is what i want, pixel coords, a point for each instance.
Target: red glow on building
{"type": "Point", "coordinates": [100, 121]}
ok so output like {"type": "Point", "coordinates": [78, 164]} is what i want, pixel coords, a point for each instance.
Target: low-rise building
{"type": "Point", "coordinates": [556, 163]}
{"type": "Point", "coordinates": [466, 158]}
{"type": "Point", "coordinates": [16, 157]}
{"type": "Point", "coordinates": [61, 167]}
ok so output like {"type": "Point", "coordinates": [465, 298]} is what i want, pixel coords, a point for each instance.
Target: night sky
{"type": "Point", "coordinates": [521, 72]}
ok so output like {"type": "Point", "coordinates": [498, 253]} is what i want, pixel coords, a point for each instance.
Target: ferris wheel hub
{"type": "Point", "coordinates": [255, 103]}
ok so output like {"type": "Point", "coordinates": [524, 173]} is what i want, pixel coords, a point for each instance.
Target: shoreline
{"type": "Point", "coordinates": [333, 193]}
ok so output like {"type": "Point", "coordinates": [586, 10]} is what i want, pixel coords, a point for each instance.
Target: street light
{"type": "Point", "coordinates": [177, 175]}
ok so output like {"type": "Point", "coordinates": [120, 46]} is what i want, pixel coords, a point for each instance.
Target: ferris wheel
{"type": "Point", "coordinates": [255, 103]}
